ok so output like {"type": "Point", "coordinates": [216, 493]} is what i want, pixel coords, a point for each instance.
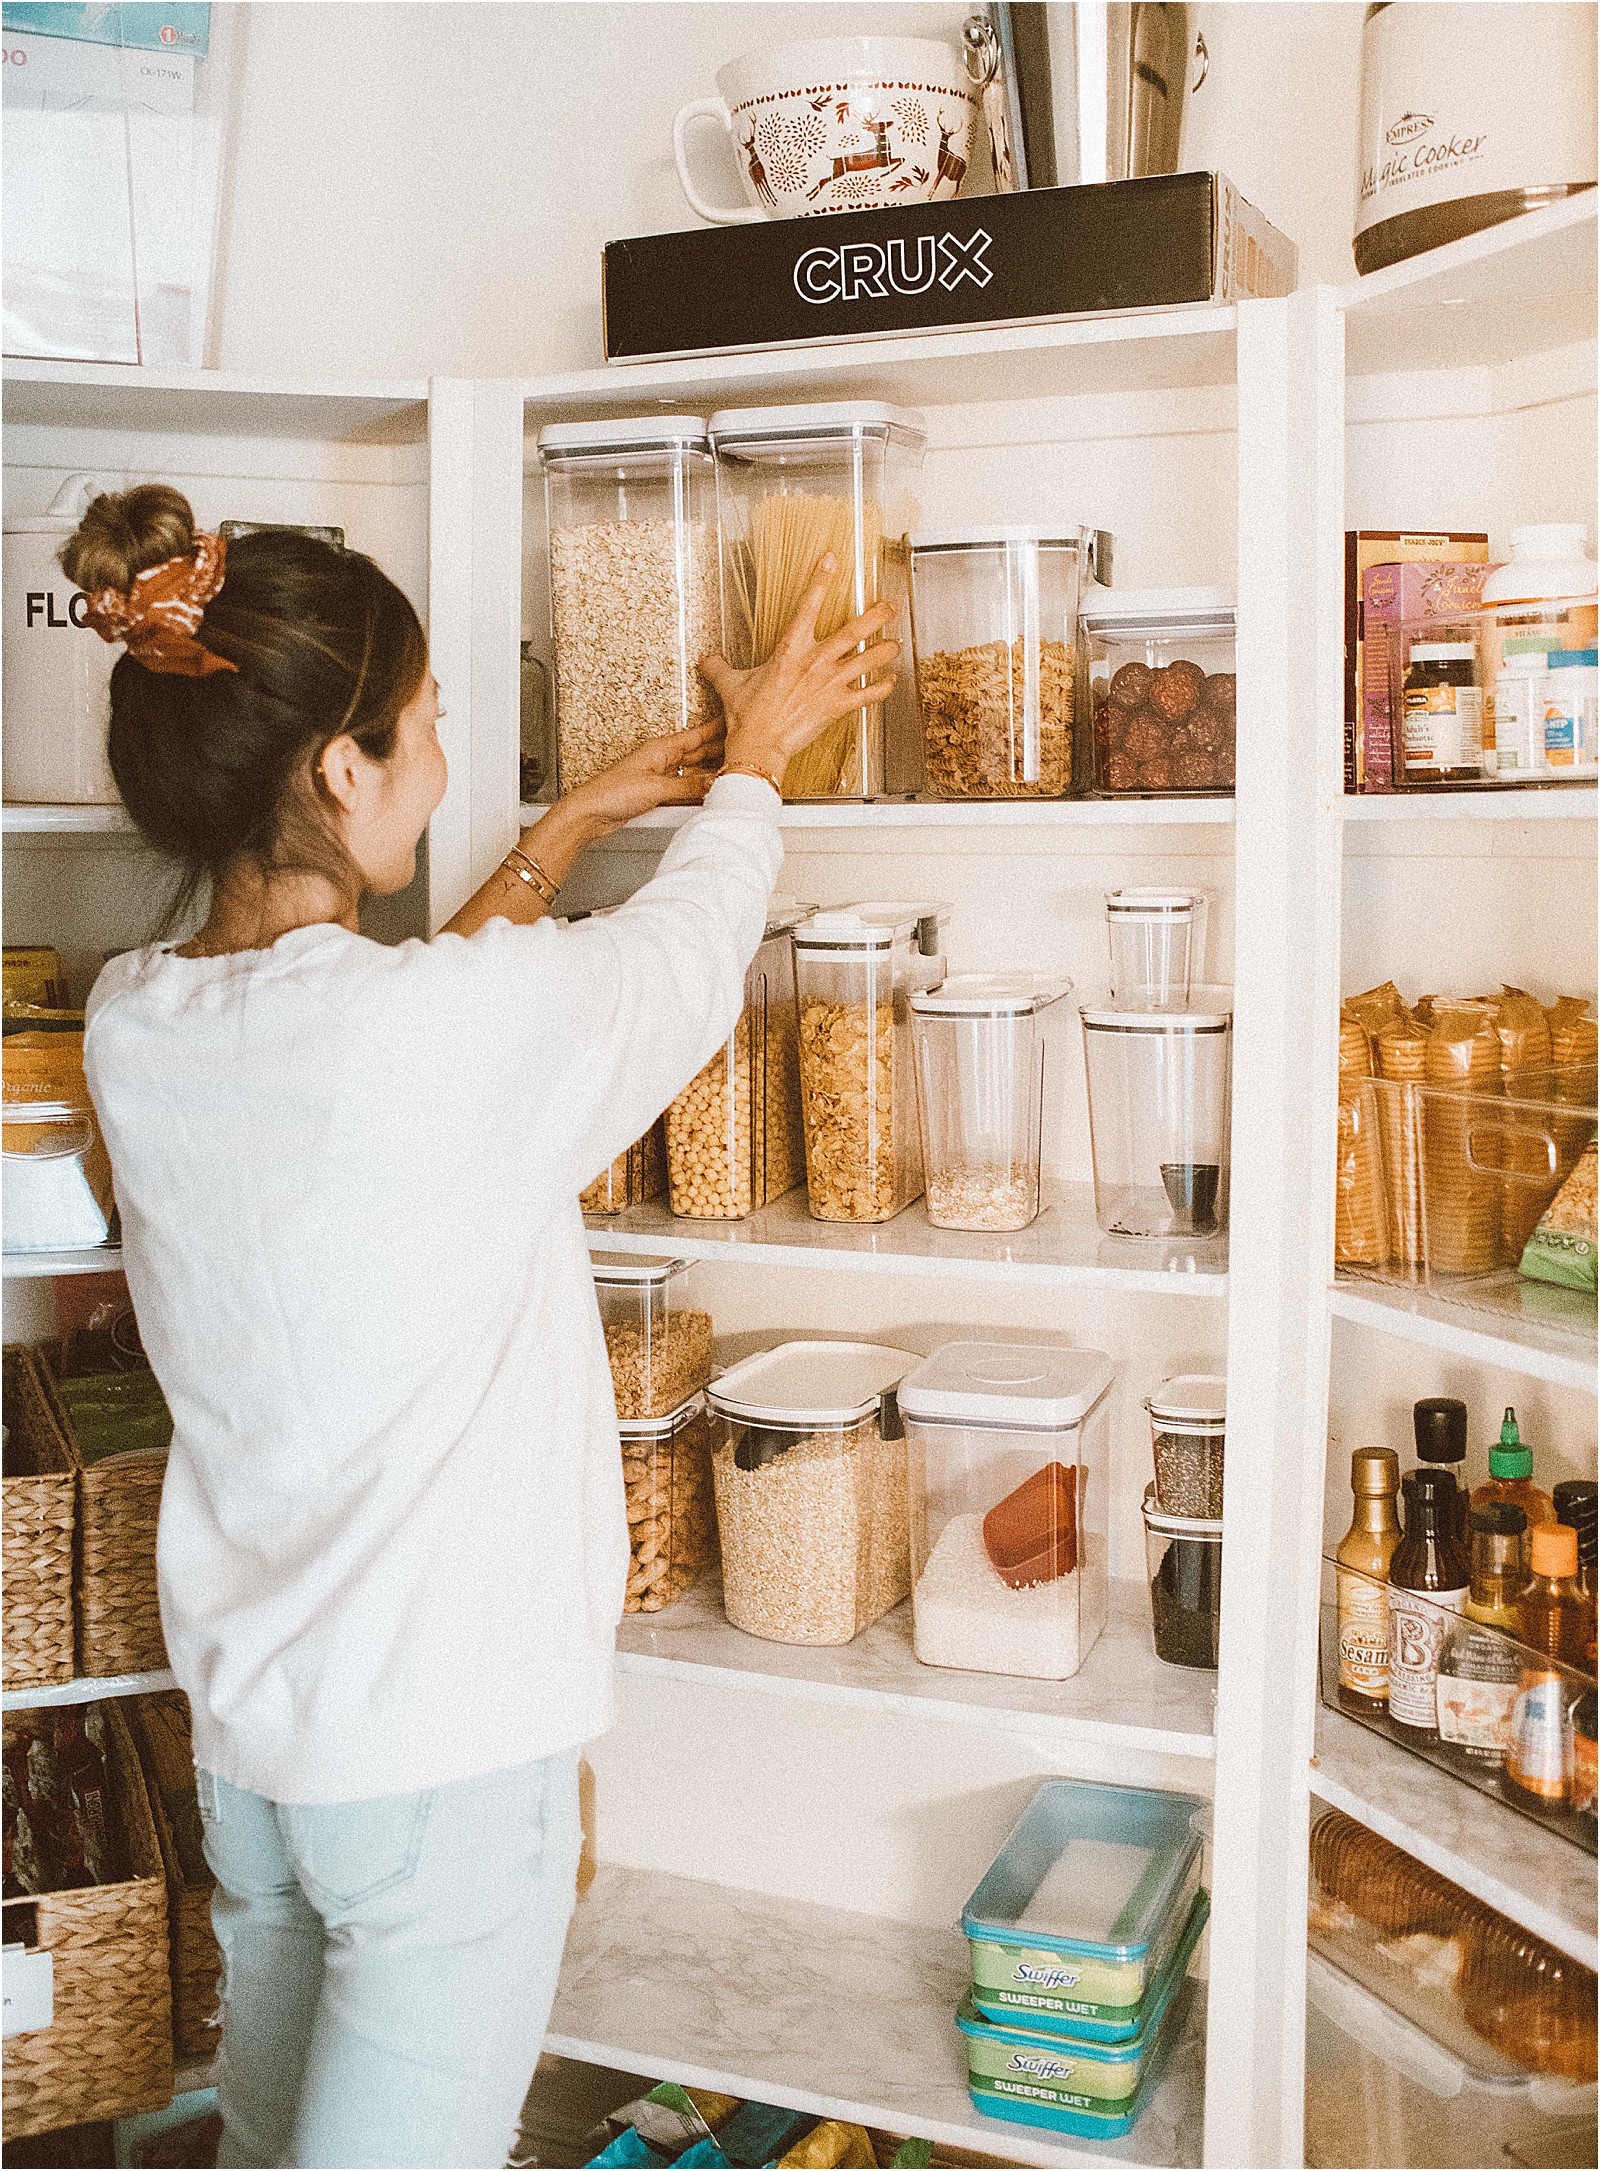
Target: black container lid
{"type": "Point", "coordinates": [1577, 1503]}
{"type": "Point", "coordinates": [1439, 1425]}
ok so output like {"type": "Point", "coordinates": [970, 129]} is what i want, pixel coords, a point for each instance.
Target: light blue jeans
{"type": "Point", "coordinates": [389, 1966]}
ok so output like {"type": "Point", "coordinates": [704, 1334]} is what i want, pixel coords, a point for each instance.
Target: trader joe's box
{"type": "Point", "coordinates": [1030, 258]}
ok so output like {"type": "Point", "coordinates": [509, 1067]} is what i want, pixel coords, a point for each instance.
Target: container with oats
{"type": "Point", "coordinates": [996, 613]}
{"type": "Point", "coordinates": [981, 1047]}
{"type": "Point", "coordinates": [734, 1135]}
{"type": "Point", "coordinates": [657, 1338]}
{"type": "Point", "coordinates": [634, 586]}
{"type": "Point", "coordinates": [856, 969]}
{"type": "Point", "coordinates": [808, 1463]}
{"type": "Point", "coordinates": [666, 1473]}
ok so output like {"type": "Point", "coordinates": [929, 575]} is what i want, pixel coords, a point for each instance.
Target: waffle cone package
{"type": "Point", "coordinates": [1360, 1229]}
{"type": "Point", "coordinates": [1461, 1146]}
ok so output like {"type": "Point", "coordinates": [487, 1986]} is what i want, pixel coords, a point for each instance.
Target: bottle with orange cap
{"type": "Point", "coordinates": [1552, 1619]}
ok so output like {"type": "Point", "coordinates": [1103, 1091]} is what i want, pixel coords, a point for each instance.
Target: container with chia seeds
{"type": "Point", "coordinates": [1188, 1421]}
{"type": "Point", "coordinates": [1082, 1908]}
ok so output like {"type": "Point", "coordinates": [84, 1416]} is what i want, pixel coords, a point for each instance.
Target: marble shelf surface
{"type": "Point", "coordinates": [1536, 1877]}
{"type": "Point", "coordinates": [1123, 1695]}
{"type": "Point", "coordinates": [846, 2015]}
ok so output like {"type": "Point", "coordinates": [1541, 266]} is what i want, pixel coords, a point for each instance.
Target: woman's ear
{"type": "Point", "coordinates": [341, 772]}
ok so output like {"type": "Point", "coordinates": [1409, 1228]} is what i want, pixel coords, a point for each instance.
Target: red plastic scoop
{"type": "Point", "coordinates": [1032, 1535]}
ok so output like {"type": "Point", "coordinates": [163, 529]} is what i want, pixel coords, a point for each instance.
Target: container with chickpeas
{"type": "Point", "coordinates": [657, 1338]}
{"type": "Point", "coordinates": [666, 1475]}
{"type": "Point", "coordinates": [1160, 668]}
{"type": "Point", "coordinates": [734, 1137]}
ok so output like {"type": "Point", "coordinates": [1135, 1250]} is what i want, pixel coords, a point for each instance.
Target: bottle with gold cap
{"type": "Point", "coordinates": [1363, 1555]}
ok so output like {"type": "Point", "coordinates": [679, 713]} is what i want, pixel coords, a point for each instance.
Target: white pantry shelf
{"type": "Point", "coordinates": [44, 1265]}
{"type": "Point", "coordinates": [1539, 1879]}
{"type": "Point", "coordinates": [839, 2014]}
{"type": "Point", "coordinates": [1529, 803]}
{"type": "Point", "coordinates": [1064, 1248]}
{"type": "Point", "coordinates": [1006, 814]}
{"type": "Point", "coordinates": [88, 1689]}
{"type": "Point", "coordinates": [1510, 1345]}
{"type": "Point", "coordinates": [41, 821]}
{"type": "Point", "coordinates": [214, 403]}
{"type": "Point", "coordinates": [1123, 1698]}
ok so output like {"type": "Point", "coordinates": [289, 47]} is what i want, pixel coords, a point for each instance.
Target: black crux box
{"type": "Point", "coordinates": [1024, 259]}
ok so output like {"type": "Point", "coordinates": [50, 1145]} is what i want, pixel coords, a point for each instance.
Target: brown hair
{"type": "Point", "coordinates": [224, 769]}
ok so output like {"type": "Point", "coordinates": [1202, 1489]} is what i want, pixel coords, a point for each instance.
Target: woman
{"type": "Point", "coordinates": [393, 1547]}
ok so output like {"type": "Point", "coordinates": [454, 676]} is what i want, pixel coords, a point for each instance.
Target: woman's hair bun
{"type": "Point", "coordinates": [124, 533]}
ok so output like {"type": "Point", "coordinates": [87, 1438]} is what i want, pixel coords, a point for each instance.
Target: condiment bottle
{"type": "Point", "coordinates": [1439, 1427]}
{"type": "Point", "coordinates": [1552, 1615]}
{"type": "Point", "coordinates": [1577, 1503]}
{"type": "Point", "coordinates": [1363, 1555]}
{"type": "Point", "coordinates": [1583, 1755]}
{"type": "Point", "coordinates": [1479, 1670]}
{"type": "Point", "coordinates": [1429, 1575]}
{"type": "Point", "coordinates": [1511, 1478]}
{"type": "Point", "coordinates": [1540, 1758]}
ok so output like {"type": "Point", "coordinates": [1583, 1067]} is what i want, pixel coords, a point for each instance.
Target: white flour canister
{"type": "Point", "coordinates": [57, 673]}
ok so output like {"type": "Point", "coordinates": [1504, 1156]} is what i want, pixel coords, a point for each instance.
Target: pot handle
{"type": "Point", "coordinates": [712, 109]}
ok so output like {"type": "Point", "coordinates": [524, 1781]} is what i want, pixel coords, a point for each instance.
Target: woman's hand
{"type": "Point", "coordinates": [670, 772]}
{"type": "Point", "coordinates": [805, 684]}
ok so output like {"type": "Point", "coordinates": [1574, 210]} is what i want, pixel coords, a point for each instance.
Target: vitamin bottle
{"type": "Point", "coordinates": [1429, 1575]}
{"type": "Point", "coordinates": [1363, 1555]}
{"type": "Point", "coordinates": [1511, 1478]}
{"type": "Point", "coordinates": [1479, 1670]}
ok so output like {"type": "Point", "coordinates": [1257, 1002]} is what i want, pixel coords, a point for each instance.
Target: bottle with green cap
{"type": "Point", "coordinates": [1511, 1479]}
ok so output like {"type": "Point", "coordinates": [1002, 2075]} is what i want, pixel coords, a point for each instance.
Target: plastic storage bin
{"type": "Point", "coordinates": [980, 1046]}
{"type": "Point", "coordinates": [1157, 939]}
{"type": "Point", "coordinates": [632, 1179]}
{"type": "Point", "coordinates": [1183, 1560]}
{"type": "Point", "coordinates": [1008, 1472]}
{"type": "Point", "coordinates": [735, 1137]}
{"type": "Point", "coordinates": [1160, 665]}
{"type": "Point", "coordinates": [792, 484]}
{"type": "Point", "coordinates": [657, 1338]}
{"type": "Point", "coordinates": [1075, 2084]}
{"type": "Point", "coordinates": [996, 613]}
{"type": "Point", "coordinates": [666, 1472]}
{"type": "Point", "coordinates": [1188, 1431]}
{"type": "Point", "coordinates": [857, 969]}
{"type": "Point", "coordinates": [809, 1467]}
{"type": "Point", "coordinates": [1159, 1085]}
{"type": "Point", "coordinates": [635, 600]}
{"type": "Point", "coordinates": [1537, 660]}
{"type": "Point", "coordinates": [1078, 1913]}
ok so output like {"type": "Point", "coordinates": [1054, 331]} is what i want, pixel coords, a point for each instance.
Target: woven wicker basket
{"type": "Point", "coordinates": [107, 2052]}
{"type": "Point", "coordinates": [119, 1616]}
{"type": "Point", "coordinates": [196, 1956]}
{"type": "Point", "coordinates": [39, 1515]}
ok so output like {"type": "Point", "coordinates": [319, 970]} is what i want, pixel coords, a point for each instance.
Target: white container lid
{"type": "Point", "coordinates": [1106, 1018]}
{"type": "Point", "coordinates": [1201, 1528]}
{"type": "Point", "coordinates": [1548, 564]}
{"type": "Point", "coordinates": [657, 1428]}
{"type": "Point", "coordinates": [1152, 904]}
{"type": "Point", "coordinates": [1190, 1402]}
{"type": "Point", "coordinates": [1156, 610]}
{"type": "Point", "coordinates": [65, 509]}
{"type": "Point", "coordinates": [1058, 537]}
{"type": "Point", "coordinates": [783, 913]}
{"type": "Point", "coordinates": [817, 420]}
{"type": "Point", "coordinates": [990, 995]}
{"type": "Point", "coordinates": [866, 927]}
{"type": "Point", "coordinates": [1022, 1385]}
{"type": "Point", "coordinates": [617, 1270]}
{"type": "Point", "coordinates": [805, 1384]}
{"type": "Point", "coordinates": [637, 433]}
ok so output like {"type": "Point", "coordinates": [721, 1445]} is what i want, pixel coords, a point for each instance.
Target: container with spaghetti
{"type": "Point", "coordinates": [794, 483]}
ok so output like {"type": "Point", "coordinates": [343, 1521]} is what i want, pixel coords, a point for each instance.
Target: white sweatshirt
{"type": "Point", "coordinates": [393, 1547]}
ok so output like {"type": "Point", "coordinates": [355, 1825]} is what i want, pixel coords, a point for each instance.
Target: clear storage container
{"type": "Point", "coordinates": [666, 1474]}
{"type": "Point", "coordinates": [1159, 1086]}
{"type": "Point", "coordinates": [1157, 943]}
{"type": "Point", "coordinates": [1538, 660]}
{"type": "Point", "coordinates": [1008, 1447]}
{"type": "Point", "coordinates": [794, 483]}
{"type": "Point", "coordinates": [857, 969]}
{"type": "Point", "coordinates": [1183, 1560]}
{"type": "Point", "coordinates": [735, 1138]}
{"type": "Point", "coordinates": [996, 613]}
{"type": "Point", "coordinates": [1188, 1431]}
{"type": "Point", "coordinates": [632, 1179]}
{"type": "Point", "coordinates": [1160, 666]}
{"type": "Point", "coordinates": [657, 1338]}
{"type": "Point", "coordinates": [809, 1469]}
{"type": "Point", "coordinates": [980, 1046]}
{"type": "Point", "coordinates": [635, 599]}
{"type": "Point", "coordinates": [56, 1198]}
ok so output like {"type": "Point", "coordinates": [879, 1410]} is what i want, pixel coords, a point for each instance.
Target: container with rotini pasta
{"type": "Point", "coordinates": [856, 970]}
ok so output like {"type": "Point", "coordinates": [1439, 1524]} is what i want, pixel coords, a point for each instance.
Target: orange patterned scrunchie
{"type": "Point", "coordinates": [160, 614]}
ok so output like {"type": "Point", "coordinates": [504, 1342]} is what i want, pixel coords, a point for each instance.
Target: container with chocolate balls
{"type": "Point", "coordinates": [1161, 691]}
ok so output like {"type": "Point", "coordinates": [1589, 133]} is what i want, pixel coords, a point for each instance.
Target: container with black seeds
{"type": "Point", "coordinates": [1187, 1427]}
{"type": "Point", "coordinates": [1183, 1559]}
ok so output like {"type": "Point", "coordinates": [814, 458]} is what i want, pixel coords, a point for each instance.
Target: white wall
{"type": "Point", "coordinates": [426, 188]}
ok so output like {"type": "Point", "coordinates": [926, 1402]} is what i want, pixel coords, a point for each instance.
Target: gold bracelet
{"type": "Point", "coordinates": [530, 872]}
{"type": "Point", "coordinates": [740, 768]}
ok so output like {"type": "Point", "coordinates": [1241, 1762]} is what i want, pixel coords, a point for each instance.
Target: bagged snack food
{"type": "Point", "coordinates": [1359, 1218]}
{"type": "Point", "coordinates": [1462, 1197]}
{"type": "Point", "coordinates": [1563, 1248]}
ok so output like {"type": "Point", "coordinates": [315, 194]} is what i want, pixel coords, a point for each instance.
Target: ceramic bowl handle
{"type": "Point", "coordinates": [711, 109]}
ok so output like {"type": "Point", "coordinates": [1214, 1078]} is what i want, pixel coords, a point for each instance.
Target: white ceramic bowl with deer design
{"type": "Point", "coordinates": [837, 124]}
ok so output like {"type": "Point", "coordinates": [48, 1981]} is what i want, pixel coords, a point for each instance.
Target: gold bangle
{"type": "Point", "coordinates": [530, 872]}
{"type": "Point", "coordinates": [742, 768]}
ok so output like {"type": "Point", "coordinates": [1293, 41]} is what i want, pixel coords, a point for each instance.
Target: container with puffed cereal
{"type": "Point", "coordinates": [856, 969]}
{"type": "Point", "coordinates": [1160, 670]}
{"type": "Point", "coordinates": [666, 1475]}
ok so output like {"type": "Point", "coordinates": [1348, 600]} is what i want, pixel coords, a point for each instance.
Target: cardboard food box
{"type": "Point", "coordinates": [1031, 258]}
{"type": "Point", "coordinates": [1363, 549]}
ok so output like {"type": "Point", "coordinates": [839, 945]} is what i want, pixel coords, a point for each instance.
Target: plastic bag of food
{"type": "Point", "coordinates": [1563, 1249]}
{"type": "Point", "coordinates": [1360, 1233]}
{"type": "Point", "coordinates": [1462, 1197]}
{"type": "Point", "coordinates": [833, 2143]}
